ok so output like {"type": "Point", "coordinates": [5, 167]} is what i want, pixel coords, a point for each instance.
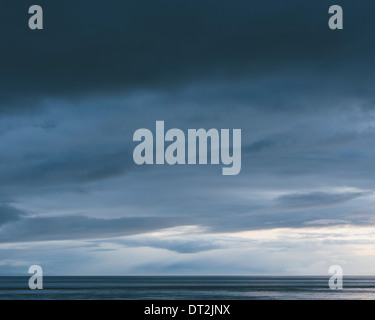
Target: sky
{"type": "Point", "coordinates": [73, 201]}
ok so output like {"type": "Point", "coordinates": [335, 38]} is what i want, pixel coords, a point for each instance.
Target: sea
{"type": "Point", "coordinates": [187, 288]}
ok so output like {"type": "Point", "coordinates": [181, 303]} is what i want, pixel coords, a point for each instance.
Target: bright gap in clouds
{"type": "Point", "coordinates": [193, 250]}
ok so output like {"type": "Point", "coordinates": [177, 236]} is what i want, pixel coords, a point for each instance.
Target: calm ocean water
{"type": "Point", "coordinates": [189, 288]}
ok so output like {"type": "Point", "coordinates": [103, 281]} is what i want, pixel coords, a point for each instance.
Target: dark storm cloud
{"type": "Point", "coordinates": [317, 199]}
{"type": "Point", "coordinates": [258, 146]}
{"type": "Point", "coordinates": [47, 170]}
{"type": "Point", "coordinates": [9, 214]}
{"type": "Point", "coordinates": [177, 245]}
{"type": "Point", "coordinates": [96, 47]}
{"type": "Point", "coordinates": [79, 227]}
{"type": "Point", "coordinates": [285, 219]}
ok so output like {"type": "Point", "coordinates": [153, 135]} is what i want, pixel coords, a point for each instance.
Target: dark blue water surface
{"type": "Point", "coordinates": [190, 288]}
